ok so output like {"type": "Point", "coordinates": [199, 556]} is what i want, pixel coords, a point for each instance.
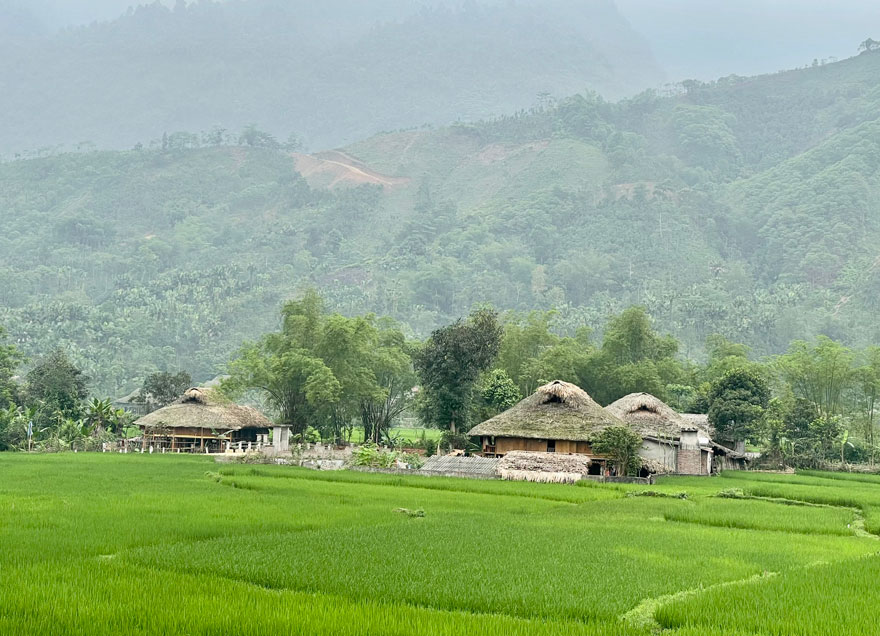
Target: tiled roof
{"type": "Point", "coordinates": [469, 465]}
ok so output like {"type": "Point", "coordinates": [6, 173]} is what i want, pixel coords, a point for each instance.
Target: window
{"type": "Point", "coordinates": [551, 446]}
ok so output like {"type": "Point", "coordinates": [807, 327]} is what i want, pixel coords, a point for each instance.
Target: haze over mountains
{"type": "Point", "coordinates": [332, 72]}
{"type": "Point", "coordinates": [746, 206]}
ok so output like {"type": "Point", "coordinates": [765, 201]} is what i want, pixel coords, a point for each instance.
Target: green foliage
{"type": "Point", "coordinates": [57, 387]}
{"type": "Point", "coordinates": [162, 388]}
{"type": "Point", "coordinates": [324, 370]}
{"type": "Point", "coordinates": [450, 364]}
{"type": "Point", "coordinates": [621, 446]}
{"type": "Point", "coordinates": [497, 394]}
{"type": "Point", "coordinates": [10, 359]}
{"type": "Point", "coordinates": [371, 456]}
{"type": "Point", "coordinates": [737, 402]}
{"type": "Point", "coordinates": [101, 417]}
{"type": "Point", "coordinates": [630, 339]}
{"type": "Point", "coordinates": [13, 428]}
{"type": "Point", "coordinates": [140, 260]}
{"type": "Point", "coordinates": [819, 373]}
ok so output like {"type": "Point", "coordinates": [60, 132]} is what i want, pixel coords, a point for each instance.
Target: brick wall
{"type": "Point", "coordinates": [689, 462]}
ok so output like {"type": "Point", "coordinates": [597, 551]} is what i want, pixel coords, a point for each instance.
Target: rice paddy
{"type": "Point", "coordinates": [95, 544]}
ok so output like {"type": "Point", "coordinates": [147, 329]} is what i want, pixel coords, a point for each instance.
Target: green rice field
{"type": "Point", "coordinates": [110, 544]}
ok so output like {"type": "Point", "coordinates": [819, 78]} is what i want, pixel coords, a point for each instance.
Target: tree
{"type": "Point", "coordinates": [162, 388]}
{"type": "Point", "coordinates": [621, 446]}
{"type": "Point", "coordinates": [449, 365]}
{"type": "Point", "coordinates": [819, 373]}
{"type": "Point", "coordinates": [252, 136]}
{"type": "Point", "coordinates": [630, 338]}
{"type": "Point", "coordinates": [869, 45]}
{"type": "Point", "coordinates": [725, 356]}
{"type": "Point", "coordinates": [348, 346]}
{"type": "Point", "coordinates": [13, 427]}
{"type": "Point", "coordinates": [327, 370]}
{"type": "Point", "coordinates": [284, 367]}
{"type": "Point", "coordinates": [57, 387]}
{"type": "Point", "coordinates": [531, 355]}
{"type": "Point", "coordinates": [633, 358]}
{"type": "Point", "coordinates": [497, 394]}
{"type": "Point", "coordinates": [391, 364]}
{"type": "Point", "coordinates": [867, 389]}
{"type": "Point", "coordinates": [736, 403]}
{"type": "Point", "coordinates": [10, 359]}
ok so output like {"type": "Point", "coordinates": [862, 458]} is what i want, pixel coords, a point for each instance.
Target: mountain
{"type": "Point", "coordinates": [332, 72]}
{"type": "Point", "coordinates": [747, 206]}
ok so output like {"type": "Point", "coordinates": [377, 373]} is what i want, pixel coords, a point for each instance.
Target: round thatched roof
{"type": "Point", "coordinates": [557, 411]}
{"type": "Point", "coordinates": [649, 416]}
{"type": "Point", "coordinates": [205, 408]}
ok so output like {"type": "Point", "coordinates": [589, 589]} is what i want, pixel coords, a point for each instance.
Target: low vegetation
{"type": "Point", "coordinates": [247, 549]}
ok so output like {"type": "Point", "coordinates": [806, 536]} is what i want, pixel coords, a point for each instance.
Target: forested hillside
{"type": "Point", "coordinates": [747, 207]}
{"type": "Point", "coordinates": [333, 71]}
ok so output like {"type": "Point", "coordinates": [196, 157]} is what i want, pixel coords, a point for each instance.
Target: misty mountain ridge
{"type": "Point", "coordinates": [745, 206]}
{"type": "Point", "coordinates": [332, 72]}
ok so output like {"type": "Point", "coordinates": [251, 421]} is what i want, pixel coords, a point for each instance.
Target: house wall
{"type": "Point", "coordinates": [726, 463]}
{"type": "Point", "coordinates": [504, 445]}
{"type": "Point", "coordinates": [691, 462]}
{"type": "Point", "coordinates": [663, 453]}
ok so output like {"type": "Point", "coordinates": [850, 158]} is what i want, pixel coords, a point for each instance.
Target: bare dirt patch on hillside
{"type": "Point", "coordinates": [501, 152]}
{"type": "Point", "coordinates": [335, 169]}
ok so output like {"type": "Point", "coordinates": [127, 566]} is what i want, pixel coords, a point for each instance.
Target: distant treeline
{"type": "Point", "coordinates": [325, 374]}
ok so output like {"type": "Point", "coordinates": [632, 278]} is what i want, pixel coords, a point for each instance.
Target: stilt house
{"type": "Point", "coordinates": [203, 420]}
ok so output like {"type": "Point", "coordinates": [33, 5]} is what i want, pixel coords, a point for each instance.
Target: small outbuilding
{"type": "Point", "coordinates": [558, 418]}
{"type": "Point", "coordinates": [669, 442]}
{"type": "Point", "coordinates": [205, 421]}
{"type": "Point", "coordinates": [729, 455]}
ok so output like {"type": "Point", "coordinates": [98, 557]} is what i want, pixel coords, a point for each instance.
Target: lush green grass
{"type": "Point", "coordinates": [152, 545]}
{"type": "Point", "coordinates": [404, 434]}
{"type": "Point", "coordinates": [832, 600]}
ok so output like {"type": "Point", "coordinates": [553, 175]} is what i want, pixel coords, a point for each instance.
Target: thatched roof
{"type": "Point", "coordinates": [649, 416]}
{"type": "Point", "coordinates": [557, 411]}
{"type": "Point", "coordinates": [655, 467]}
{"type": "Point", "coordinates": [205, 408]}
{"type": "Point", "coordinates": [545, 462]}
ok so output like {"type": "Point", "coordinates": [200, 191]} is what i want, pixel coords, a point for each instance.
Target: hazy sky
{"type": "Point", "coordinates": [706, 39]}
{"type": "Point", "coordinates": [691, 38]}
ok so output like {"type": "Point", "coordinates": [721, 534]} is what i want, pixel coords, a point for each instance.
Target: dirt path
{"type": "Point", "coordinates": [335, 169]}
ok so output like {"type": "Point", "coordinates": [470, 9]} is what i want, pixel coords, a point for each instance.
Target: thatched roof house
{"type": "Point", "coordinates": [558, 411]}
{"type": "Point", "coordinates": [689, 435]}
{"type": "Point", "coordinates": [558, 418]}
{"type": "Point", "coordinates": [649, 416]}
{"type": "Point", "coordinates": [205, 420]}
{"type": "Point", "coordinates": [561, 418]}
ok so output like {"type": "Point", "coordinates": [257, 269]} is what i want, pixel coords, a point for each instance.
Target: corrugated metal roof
{"type": "Point", "coordinates": [470, 465]}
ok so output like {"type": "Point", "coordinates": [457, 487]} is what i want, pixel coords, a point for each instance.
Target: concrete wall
{"type": "Point", "coordinates": [663, 453]}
